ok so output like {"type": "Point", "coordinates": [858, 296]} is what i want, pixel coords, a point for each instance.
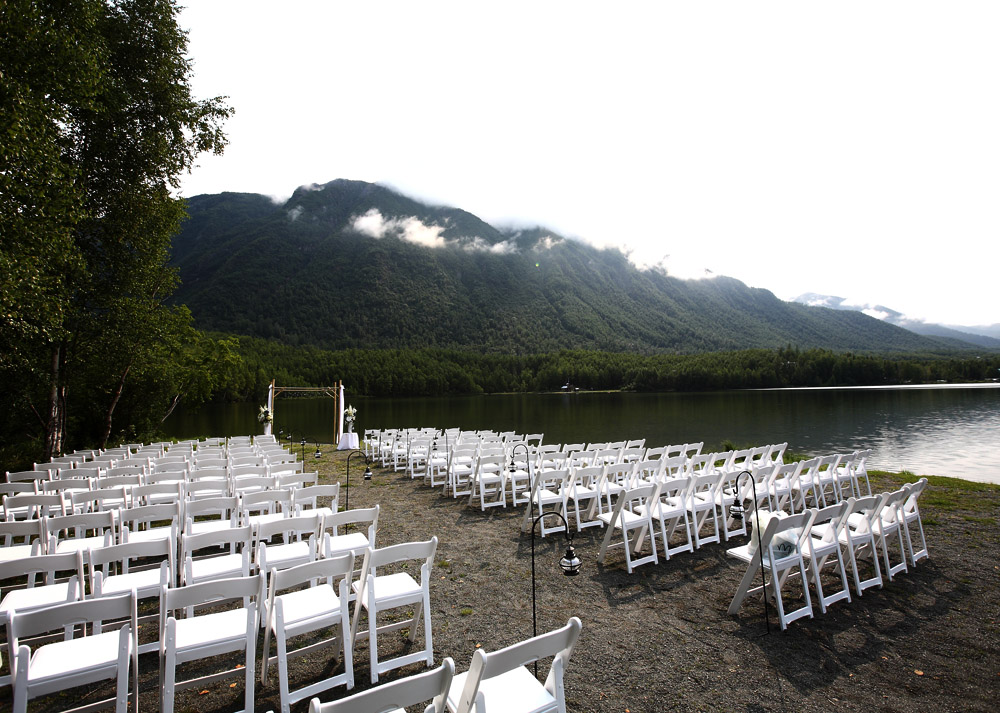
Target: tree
{"type": "Point", "coordinates": [98, 124]}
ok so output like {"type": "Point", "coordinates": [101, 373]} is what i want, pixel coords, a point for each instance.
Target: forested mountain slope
{"type": "Point", "coordinates": [356, 265]}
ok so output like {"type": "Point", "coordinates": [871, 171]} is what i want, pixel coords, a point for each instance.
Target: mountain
{"type": "Point", "coordinates": [351, 264]}
{"type": "Point", "coordinates": [978, 336]}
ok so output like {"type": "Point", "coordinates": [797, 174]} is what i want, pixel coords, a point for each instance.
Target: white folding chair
{"type": "Point", "coordinates": [858, 538]}
{"type": "Point", "coordinates": [142, 567]}
{"type": "Point", "coordinates": [779, 553]}
{"type": "Point", "coordinates": [910, 513]}
{"type": "Point", "coordinates": [501, 681]}
{"type": "Point", "coordinates": [76, 661]}
{"type": "Point", "coordinates": [700, 501]}
{"type": "Point", "coordinates": [823, 546]}
{"type": "Point", "coordinates": [63, 582]}
{"type": "Point", "coordinates": [887, 527]}
{"type": "Point", "coordinates": [396, 696]}
{"type": "Point", "coordinates": [549, 489]}
{"type": "Point", "coordinates": [489, 482]}
{"type": "Point", "coordinates": [295, 611]}
{"type": "Point", "coordinates": [585, 487]}
{"type": "Point", "coordinates": [378, 593]}
{"type": "Point", "coordinates": [632, 513]}
{"type": "Point", "coordinates": [229, 557]}
{"type": "Point", "coordinates": [670, 512]}
{"type": "Point", "coordinates": [208, 635]}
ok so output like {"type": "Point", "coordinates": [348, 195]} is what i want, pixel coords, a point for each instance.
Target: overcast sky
{"type": "Point", "coordinates": [845, 148]}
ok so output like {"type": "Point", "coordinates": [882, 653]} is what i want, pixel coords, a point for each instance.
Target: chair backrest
{"type": "Point", "coordinates": [225, 507]}
{"type": "Point", "coordinates": [307, 498]}
{"type": "Point", "coordinates": [337, 520]}
{"type": "Point", "coordinates": [914, 491]}
{"type": "Point", "coordinates": [141, 517]}
{"type": "Point", "coordinates": [26, 475]}
{"type": "Point", "coordinates": [266, 501]}
{"type": "Point", "coordinates": [212, 592]}
{"type": "Point", "coordinates": [673, 467]}
{"type": "Point", "coordinates": [81, 525]}
{"type": "Point", "coordinates": [237, 538]}
{"type": "Point", "coordinates": [155, 493]}
{"type": "Point", "coordinates": [620, 473]}
{"type": "Point", "coordinates": [430, 685]}
{"type": "Point", "coordinates": [69, 615]}
{"type": "Point", "coordinates": [402, 552]}
{"type": "Point", "coordinates": [300, 526]}
{"type": "Point", "coordinates": [49, 566]}
{"type": "Point", "coordinates": [778, 547]}
{"type": "Point", "coordinates": [124, 555]}
{"type": "Point", "coordinates": [863, 512]}
{"type": "Point", "coordinates": [827, 521]}
{"type": "Point", "coordinates": [558, 644]}
{"type": "Point", "coordinates": [33, 506]}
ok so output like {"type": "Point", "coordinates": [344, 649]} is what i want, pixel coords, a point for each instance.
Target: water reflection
{"type": "Point", "coordinates": [941, 430]}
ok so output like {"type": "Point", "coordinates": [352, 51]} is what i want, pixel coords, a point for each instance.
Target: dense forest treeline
{"type": "Point", "coordinates": [424, 372]}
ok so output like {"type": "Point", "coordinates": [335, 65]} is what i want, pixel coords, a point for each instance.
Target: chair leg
{"type": "Point", "coordinates": [373, 644]}
{"type": "Point", "coordinates": [248, 680]}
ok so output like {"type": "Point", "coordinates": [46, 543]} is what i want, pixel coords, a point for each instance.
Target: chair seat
{"type": "Point", "coordinates": [62, 657]}
{"type": "Point", "coordinates": [15, 552]}
{"type": "Point", "coordinates": [351, 542]}
{"type": "Point", "coordinates": [295, 552]}
{"type": "Point", "coordinates": [628, 518]}
{"type": "Point", "coordinates": [80, 544]}
{"type": "Point", "coordinates": [390, 587]}
{"type": "Point", "coordinates": [258, 520]}
{"type": "Point", "coordinates": [36, 597]}
{"type": "Point", "coordinates": [515, 691]}
{"type": "Point", "coordinates": [217, 567]}
{"type": "Point", "coordinates": [151, 535]}
{"type": "Point", "coordinates": [201, 526]}
{"type": "Point", "coordinates": [210, 629]}
{"type": "Point", "coordinates": [145, 581]}
{"type": "Point", "coordinates": [307, 605]}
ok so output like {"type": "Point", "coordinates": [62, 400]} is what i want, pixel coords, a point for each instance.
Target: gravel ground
{"type": "Point", "coordinates": [660, 639]}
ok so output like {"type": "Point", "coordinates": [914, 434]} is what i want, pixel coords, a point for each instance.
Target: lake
{"type": "Point", "coordinates": [949, 430]}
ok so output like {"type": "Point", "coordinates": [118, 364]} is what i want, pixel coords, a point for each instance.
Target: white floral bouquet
{"type": "Point", "coordinates": [265, 415]}
{"type": "Point", "coordinates": [350, 413]}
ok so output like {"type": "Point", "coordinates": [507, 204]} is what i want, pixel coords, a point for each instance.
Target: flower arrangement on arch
{"type": "Point", "coordinates": [265, 415]}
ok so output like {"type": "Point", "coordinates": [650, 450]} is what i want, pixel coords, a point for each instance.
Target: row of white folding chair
{"type": "Point", "coordinates": [498, 680]}
{"type": "Point", "coordinates": [100, 548]}
{"type": "Point", "coordinates": [807, 483]}
{"type": "Point", "coordinates": [53, 517]}
{"type": "Point", "coordinates": [844, 534]}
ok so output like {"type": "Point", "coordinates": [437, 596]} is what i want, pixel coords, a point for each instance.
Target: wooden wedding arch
{"type": "Point", "coordinates": [335, 392]}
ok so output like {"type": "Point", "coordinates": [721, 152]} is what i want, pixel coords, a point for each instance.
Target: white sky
{"type": "Point", "coordinates": [846, 148]}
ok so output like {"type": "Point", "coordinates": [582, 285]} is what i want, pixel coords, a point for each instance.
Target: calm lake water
{"type": "Point", "coordinates": [938, 430]}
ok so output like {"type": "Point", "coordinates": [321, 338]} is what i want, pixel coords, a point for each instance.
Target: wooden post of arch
{"type": "Point", "coordinates": [270, 408]}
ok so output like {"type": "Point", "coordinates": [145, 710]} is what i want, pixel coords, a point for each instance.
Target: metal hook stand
{"type": "Point", "coordinates": [737, 511]}
{"type": "Point", "coordinates": [367, 475]}
{"type": "Point", "coordinates": [569, 563]}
